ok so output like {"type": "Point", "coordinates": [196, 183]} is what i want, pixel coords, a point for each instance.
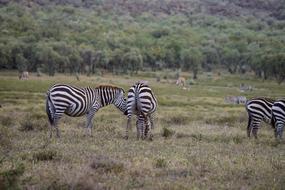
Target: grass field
{"type": "Point", "coordinates": [199, 141]}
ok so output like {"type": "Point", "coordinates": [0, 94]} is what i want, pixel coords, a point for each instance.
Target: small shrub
{"type": "Point", "coordinates": [45, 155]}
{"type": "Point", "coordinates": [237, 139]}
{"type": "Point", "coordinates": [176, 120]}
{"type": "Point", "coordinates": [9, 178]}
{"type": "Point", "coordinates": [230, 120]}
{"type": "Point", "coordinates": [30, 123]}
{"type": "Point", "coordinates": [5, 141]}
{"type": "Point", "coordinates": [197, 137]}
{"type": "Point", "coordinates": [135, 182]}
{"type": "Point", "coordinates": [6, 121]}
{"type": "Point", "coordinates": [167, 132]}
{"type": "Point", "coordinates": [105, 164]}
{"type": "Point", "coordinates": [182, 135]}
{"type": "Point", "coordinates": [26, 125]}
{"type": "Point", "coordinates": [160, 163]}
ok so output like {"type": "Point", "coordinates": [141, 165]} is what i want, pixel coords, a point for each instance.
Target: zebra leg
{"type": "Point", "coordinates": [55, 124]}
{"type": "Point", "coordinates": [254, 131]}
{"type": "Point", "coordinates": [138, 129]}
{"type": "Point", "coordinates": [128, 126]}
{"type": "Point", "coordinates": [249, 128]}
{"type": "Point", "coordinates": [57, 131]}
{"type": "Point", "coordinates": [151, 118]}
{"type": "Point", "coordinates": [142, 128]}
{"type": "Point", "coordinates": [279, 130]}
{"type": "Point", "coordinates": [148, 133]}
{"type": "Point", "coordinates": [89, 125]}
{"type": "Point", "coordinates": [50, 130]}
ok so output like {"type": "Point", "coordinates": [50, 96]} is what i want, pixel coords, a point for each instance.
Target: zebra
{"type": "Point", "coordinates": [73, 101]}
{"type": "Point", "coordinates": [278, 113]}
{"type": "Point", "coordinates": [258, 109]}
{"type": "Point", "coordinates": [142, 102]}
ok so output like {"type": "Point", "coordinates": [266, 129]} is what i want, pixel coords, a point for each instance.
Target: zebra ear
{"type": "Point", "coordinates": [123, 90]}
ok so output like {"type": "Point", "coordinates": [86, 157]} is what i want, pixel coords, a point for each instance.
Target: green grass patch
{"type": "Point", "coordinates": [105, 164]}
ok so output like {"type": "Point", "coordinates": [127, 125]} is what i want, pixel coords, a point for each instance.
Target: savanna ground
{"type": "Point", "coordinates": [199, 141]}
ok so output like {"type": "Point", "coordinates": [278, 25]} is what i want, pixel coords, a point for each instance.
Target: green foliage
{"type": "Point", "coordinates": [78, 39]}
{"type": "Point", "coordinates": [166, 132]}
{"type": "Point", "coordinates": [160, 163]}
{"type": "Point", "coordinates": [33, 122]}
{"type": "Point", "coordinates": [105, 164]}
{"type": "Point", "coordinates": [45, 155]}
{"type": "Point", "coordinates": [9, 179]}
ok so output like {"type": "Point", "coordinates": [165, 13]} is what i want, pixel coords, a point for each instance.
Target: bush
{"type": "Point", "coordinates": [160, 163]}
{"type": "Point", "coordinates": [237, 139]}
{"type": "Point", "coordinates": [105, 164]}
{"type": "Point", "coordinates": [6, 120]}
{"type": "Point", "coordinates": [167, 132]}
{"type": "Point", "coordinates": [5, 141]}
{"type": "Point", "coordinates": [9, 178]}
{"type": "Point", "coordinates": [33, 122]}
{"type": "Point", "coordinates": [45, 155]}
{"type": "Point", "coordinates": [177, 120]}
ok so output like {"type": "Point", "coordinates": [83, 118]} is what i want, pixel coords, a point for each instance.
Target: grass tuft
{"type": "Point", "coordinates": [105, 164]}
{"type": "Point", "coordinates": [45, 155]}
{"type": "Point", "coordinates": [9, 179]}
{"type": "Point", "coordinates": [30, 123]}
{"type": "Point", "coordinates": [166, 132]}
{"type": "Point", "coordinates": [6, 120]}
{"type": "Point", "coordinates": [160, 163]}
{"type": "Point", "coordinates": [176, 120]}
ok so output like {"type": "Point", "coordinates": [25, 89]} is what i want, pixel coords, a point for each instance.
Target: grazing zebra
{"type": "Point", "coordinates": [142, 102]}
{"type": "Point", "coordinates": [258, 109]}
{"type": "Point", "coordinates": [75, 102]}
{"type": "Point", "coordinates": [278, 113]}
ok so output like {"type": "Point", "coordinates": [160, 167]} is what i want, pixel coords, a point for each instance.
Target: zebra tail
{"type": "Point", "coordinates": [50, 109]}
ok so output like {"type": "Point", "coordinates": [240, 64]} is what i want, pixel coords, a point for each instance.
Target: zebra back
{"type": "Point", "coordinates": [141, 99]}
{"type": "Point", "coordinates": [260, 108]}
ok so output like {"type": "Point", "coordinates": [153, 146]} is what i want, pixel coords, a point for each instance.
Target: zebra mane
{"type": "Point", "coordinates": [111, 87]}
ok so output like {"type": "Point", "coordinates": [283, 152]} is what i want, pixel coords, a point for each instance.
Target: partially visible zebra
{"type": "Point", "coordinates": [258, 109]}
{"type": "Point", "coordinates": [141, 102]}
{"type": "Point", "coordinates": [75, 102]}
{"type": "Point", "coordinates": [278, 113]}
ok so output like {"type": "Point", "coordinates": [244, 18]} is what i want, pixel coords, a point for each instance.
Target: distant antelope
{"type": "Point", "coordinates": [24, 75]}
{"type": "Point", "coordinates": [181, 81]}
{"type": "Point", "coordinates": [75, 102]}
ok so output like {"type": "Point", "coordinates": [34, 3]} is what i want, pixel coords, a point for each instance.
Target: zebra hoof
{"type": "Point", "coordinates": [126, 137]}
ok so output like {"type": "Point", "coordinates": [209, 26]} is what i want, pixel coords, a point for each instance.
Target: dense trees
{"type": "Point", "coordinates": [89, 36]}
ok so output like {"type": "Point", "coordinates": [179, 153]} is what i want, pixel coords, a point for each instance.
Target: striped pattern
{"type": "Point", "coordinates": [141, 102]}
{"type": "Point", "coordinates": [278, 113]}
{"type": "Point", "coordinates": [75, 102]}
{"type": "Point", "coordinates": [258, 109]}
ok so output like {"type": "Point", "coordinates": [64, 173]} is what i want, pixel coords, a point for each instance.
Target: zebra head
{"type": "Point", "coordinates": [120, 101]}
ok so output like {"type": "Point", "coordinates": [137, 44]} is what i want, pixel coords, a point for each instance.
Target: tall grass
{"type": "Point", "coordinates": [199, 140]}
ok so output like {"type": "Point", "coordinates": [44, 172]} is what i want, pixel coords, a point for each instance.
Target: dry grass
{"type": "Point", "coordinates": [206, 145]}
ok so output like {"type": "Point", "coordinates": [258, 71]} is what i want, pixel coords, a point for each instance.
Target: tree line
{"type": "Point", "coordinates": [67, 39]}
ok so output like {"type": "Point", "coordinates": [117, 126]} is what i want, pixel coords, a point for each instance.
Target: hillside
{"type": "Point", "coordinates": [127, 36]}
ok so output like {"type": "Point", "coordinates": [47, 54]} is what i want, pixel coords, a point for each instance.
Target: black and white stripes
{"type": "Point", "coordinates": [258, 109]}
{"type": "Point", "coordinates": [141, 102]}
{"type": "Point", "coordinates": [74, 101]}
{"type": "Point", "coordinates": [278, 114]}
